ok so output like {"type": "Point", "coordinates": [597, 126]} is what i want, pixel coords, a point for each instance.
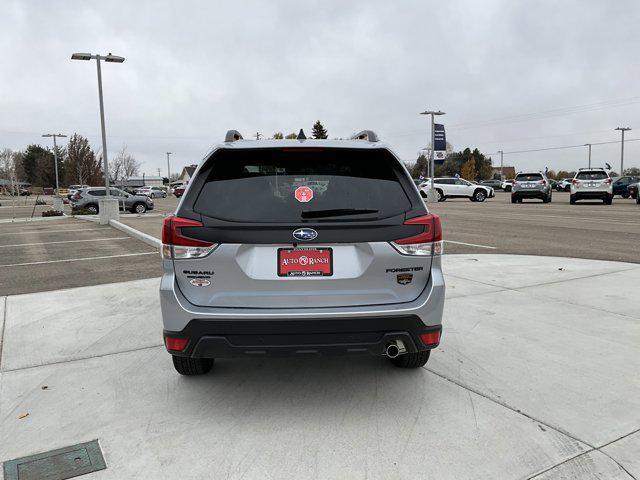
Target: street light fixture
{"type": "Point", "coordinates": [112, 59]}
{"type": "Point", "coordinates": [622, 129]}
{"type": "Point", "coordinates": [55, 155]}
{"type": "Point", "coordinates": [432, 195]}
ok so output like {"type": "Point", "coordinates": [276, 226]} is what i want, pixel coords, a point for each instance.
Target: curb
{"type": "Point", "coordinates": [148, 239]}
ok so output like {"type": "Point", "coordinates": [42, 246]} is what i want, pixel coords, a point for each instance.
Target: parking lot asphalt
{"type": "Point", "coordinates": [585, 230]}
{"type": "Point", "coordinates": [62, 253]}
{"type": "Point", "coordinates": [536, 378]}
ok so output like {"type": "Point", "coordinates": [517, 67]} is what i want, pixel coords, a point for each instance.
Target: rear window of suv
{"type": "Point", "coordinates": [261, 185]}
{"type": "Point", "coordinates": [597, 175]}
{"type": "Point", "coordinates": [528, 177]}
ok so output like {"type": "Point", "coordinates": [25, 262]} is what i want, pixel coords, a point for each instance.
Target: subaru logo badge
{"type": "Point", "coordinates": [305, 234]}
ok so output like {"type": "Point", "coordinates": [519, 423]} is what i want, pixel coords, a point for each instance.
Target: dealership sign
{"type": "Point", "coordinates": [439, 143]}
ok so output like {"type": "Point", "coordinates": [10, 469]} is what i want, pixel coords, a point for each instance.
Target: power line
{"type": "Point", "coordinates": [564, 147]}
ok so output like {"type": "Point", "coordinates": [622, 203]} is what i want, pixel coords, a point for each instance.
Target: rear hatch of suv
{"type": "Point", "coordinates": [592, 181]}
{"type": "Point", "coordinates": [529, 181]}
{"type": "Point", "coordinates": [302, 228]}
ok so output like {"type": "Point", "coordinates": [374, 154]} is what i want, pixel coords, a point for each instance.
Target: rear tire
{"type": "Point", "coordinates": [625, 195]}
{"type": "Point", "coordinates": [572, 200]}
{"type": "Point", "coordinates": [412, 360]}
{"type": "Point", "coordinates": [440, 195]}
{"type": "Point", "coordinates": [139, 208]}
{"type": "Point", "coordinates": [479, 196]}
{"type": "Point", "coordinates": [92, 209]}
{"type": "Point", "coordinates": [192, 366]}
{"type": "Point", "coordinates": [514, 199]}
{"type": "Point", "coordinates": [608, 200]}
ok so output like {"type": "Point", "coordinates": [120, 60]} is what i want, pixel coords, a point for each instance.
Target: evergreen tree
{"type": "Point", "coordinates": [318, 131]}
{"type": "Point", "coordinates": [421, 167]}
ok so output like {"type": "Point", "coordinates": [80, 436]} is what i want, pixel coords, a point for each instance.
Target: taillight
{"type": "Point", "coordinates": [429, 242]}
{"type": "Point", "coordinates": [176, 344]}
{"type": "Point", "coordinates": [608, 181]}
{"type": "Point", "coordinates": [430, 338]}
{"type": "Point", "coordinates": [575, 182]}
{"type": "Point", "coordinates": [178, 246]}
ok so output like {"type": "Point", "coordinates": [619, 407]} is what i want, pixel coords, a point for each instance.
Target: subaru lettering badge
{"type": "Point", "coordinates": [305, 234]}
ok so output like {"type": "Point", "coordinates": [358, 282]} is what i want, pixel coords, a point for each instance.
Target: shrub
{"type": "Point", "coordinates": [52, 213]}
{"type": "Point", "coordinates": [80, 211]}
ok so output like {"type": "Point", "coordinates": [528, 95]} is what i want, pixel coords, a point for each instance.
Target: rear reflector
{"type": "Point", "coordinates": [178, 246]}
{"type": "Point", "coordinates": [429, 242]}
{"type": "Point", "coordinates": [176, 344]}
{"type": "Point", "coordinates": [430, 338]}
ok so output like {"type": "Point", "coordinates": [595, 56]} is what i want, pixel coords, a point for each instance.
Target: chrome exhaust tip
{"type": "Point", "coordinates": [395, 349]}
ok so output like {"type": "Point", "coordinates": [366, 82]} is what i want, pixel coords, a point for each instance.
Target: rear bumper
{"type": "Point", "coordinates": [601, 195]}
{"type": "Point", "coordinates": [309, 337]}
{"type": "Point", "coordinates": [530, 193]}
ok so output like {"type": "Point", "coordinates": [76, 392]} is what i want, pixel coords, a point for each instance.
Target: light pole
{"type": "Point", "coordinates": [622, 129]}
{"type": "Point", "coordinates": [589, 145]}
{"type": "Point", "coordinates": [432, 195]}
{"type": "Point", "coordinates": [55, 155]}
{"type": "Point", "coordinates": [169, 169]}
{"type": "Point", "coordinates": [111, 59]}
{"type": "Point", "coordinates": [501, 164]}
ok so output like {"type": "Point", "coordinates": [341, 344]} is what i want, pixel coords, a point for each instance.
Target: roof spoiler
{"type": "Point", "coordinates": [232, 136]}
{"type": "Point", "coordinates": [367, 135]}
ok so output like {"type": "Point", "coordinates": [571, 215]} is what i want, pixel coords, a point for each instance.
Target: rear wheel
{"type": "Point", "coordinates": [608, 200]}
{"type": "Point", "coordinates": [92, 209]}
{"type": "Point", "coordinates": [479, 196]}
{"type": "Point", "coordinates": [514, 199]}
{"type": "Point", "coordinates": [139, 208]}
{"type": "Point", "coordinates": [572, 200]}
{"type": "Point", "coordinates": [192, 366]}
{"type": "Point", "coordinates": [412, 360]}
{"type": "Point", "coordinates": [440, 195]}
{"type": "Point", "coordinates": [625, 195]}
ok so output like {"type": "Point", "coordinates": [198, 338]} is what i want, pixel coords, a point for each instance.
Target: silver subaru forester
{"type": "Point", "coordinates": [301, 247]}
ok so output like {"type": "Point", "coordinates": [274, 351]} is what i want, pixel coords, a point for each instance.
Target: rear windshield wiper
{"type": "Point", "coordinates": [336, 212]}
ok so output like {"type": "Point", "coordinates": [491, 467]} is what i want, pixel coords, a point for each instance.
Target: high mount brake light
{"type": "Point", "coordinates": [429, 242]}
{"type": "Point", "coordinates": [177, 246]}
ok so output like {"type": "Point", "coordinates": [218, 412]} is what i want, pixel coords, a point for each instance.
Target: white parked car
{"type": "Point", "coordinates": [452, 187]}
{"type": "Point", "coordinates": [73, 189]}
{"type": "Point", "coordinates": [152, 192]}
{"type": "Point", "coordinates": [591, 183]}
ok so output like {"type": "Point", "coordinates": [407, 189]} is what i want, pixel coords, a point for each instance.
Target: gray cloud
{"type": "Point", "coordinates": [195, 69]}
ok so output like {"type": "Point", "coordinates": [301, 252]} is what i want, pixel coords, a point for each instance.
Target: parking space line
{"type": "Point", "coordinates": [56, 231]}
{"type": "Point", "coordinates": [472, 245]}
{"type": "Point", "coordinates": [79, 259]}
{"type": "Point", "coordinates": [65, 241]}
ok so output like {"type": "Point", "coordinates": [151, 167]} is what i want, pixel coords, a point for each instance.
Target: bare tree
{"type": "Point", "coordinates": [123, 166]}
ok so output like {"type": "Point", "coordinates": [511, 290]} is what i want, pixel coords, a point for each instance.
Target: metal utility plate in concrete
{"type": "Point", "coordinates": [67, 462]}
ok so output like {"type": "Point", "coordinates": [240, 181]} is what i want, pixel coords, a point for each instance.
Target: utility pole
{"type": "Point", "coordinates": [589, 145]}
{"type": "Point", "coordinates": [431, 196]}
{"type": "Point", "coordinates": [55, 155]}
{"type": "Point", "coordinates": [158, 172]}
{"type": "Point", "coordinates": [622, 129]}
{"type": "Point", "coordinates": [168, 168]}
{"type": "Point", "coordinates": [258, 135]}
{"type": "Point", "coordinates": [501, 164]}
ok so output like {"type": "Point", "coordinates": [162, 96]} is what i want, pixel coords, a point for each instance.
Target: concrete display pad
{"type": "Point", "coordinates": [528, 383]}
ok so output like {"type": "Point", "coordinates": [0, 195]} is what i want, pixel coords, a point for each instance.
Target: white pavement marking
{"type": "Point", "coordinates": [472, 245]}
{"type": "Point", "coordinates": [55, 231]}
{"type": "Point", "coordinates": [65, 241]}
{"type": "Point", "coordinates": [79, 259]}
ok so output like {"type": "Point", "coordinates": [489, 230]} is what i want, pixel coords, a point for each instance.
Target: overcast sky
{"type": "Point", "coordinates": [195, 69]}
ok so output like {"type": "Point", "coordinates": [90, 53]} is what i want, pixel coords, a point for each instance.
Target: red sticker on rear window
{"type": "Point", "coordinates": [303, 194]}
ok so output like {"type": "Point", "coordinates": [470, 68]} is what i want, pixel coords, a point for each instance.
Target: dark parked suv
{"type": "Point", "coordinates": [301, 248]}
{"type": "Point", "coordinates": [621, 185]}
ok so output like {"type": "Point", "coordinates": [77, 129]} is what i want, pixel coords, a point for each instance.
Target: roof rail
{"type": "Point", "coordinates": [232, 136]}
{"type": "Point", "coordinates": [367, 135]}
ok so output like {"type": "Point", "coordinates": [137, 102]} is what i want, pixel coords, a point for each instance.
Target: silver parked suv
{"type": "Point", "coordinates": [293, 248]}
{"type": "Point", "coordinates": [531, 185]}
{"type": "Point", "coordinates": [88, 199]}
